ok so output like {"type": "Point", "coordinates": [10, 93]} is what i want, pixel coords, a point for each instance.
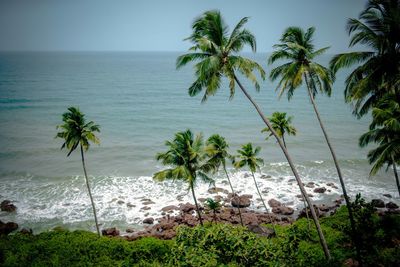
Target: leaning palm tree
{"type": "Point", "coordinates": [384, 131]}
{"type": "Point", "coordinates": [217, 56]}
{"type": "Point", "coordinates": [187, 159]}
{"type": "Point", "coordinates": [76, 132]}
{"type": "Point", "coordinates": [281, 125]}
{"type": "Point", "coordinates": [217, 149]}
{"type": "Point", "coordinates": [297, 49]}
{"type": "Point", "coordinates": [377, 70]}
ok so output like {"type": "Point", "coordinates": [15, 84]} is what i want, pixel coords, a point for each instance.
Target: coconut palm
{"type": "Point", "coordinates": [377, 70]}
{"type": "Point", "coordinates": [217, 149]}
{"type": "Point", "coordinates": [214, 206]}
{"type": "Point", "coordinates": [217, 56]}
{"type": "Point", "coordinates": [281, 125]}
{"type": "Point", "coordinates": [187, 158]}
{"type": "Point", "coordinates": [76, 132]}
{"type": "Point", "coordinates": [384, 131]}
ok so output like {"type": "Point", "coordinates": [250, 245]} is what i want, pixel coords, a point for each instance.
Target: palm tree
{"type": "Point", "coordinates": [76, 132]}
{"type": "Point", "coordinates": [217, 151]}
{"type": "Point", "coordinates": [281, 125]}
{"type": "Point", "coordinates": [248, 157]}
{"type": "Point", "coordinates": [384, 131]}
{"type": "Point", "coordinates": [214, 206]}
{"type": "Point", "coordinates": [186, 156]}
{"type": "Point", "coordinates": [216, 54]}
{"type": "Point", "coordinates": [377, 69]}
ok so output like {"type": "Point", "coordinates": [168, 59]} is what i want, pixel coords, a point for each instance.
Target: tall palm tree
{"type": "Point", "coordinates": [281, 125]}
{"type": "Point", "coordinates": [187, 159]}
{"type": "Point", "coordinates": [76, 132]}
{"type": "Point", "coordinates": [217, 149]}
{"type": "Point", "coordinates": [216, 54]}
{"type": "Point", "coordinates": [377, 70]}
{"type": "Point", "coordinates": [297, 49]}
{"type": "Point", "coordinates": [384, 131]}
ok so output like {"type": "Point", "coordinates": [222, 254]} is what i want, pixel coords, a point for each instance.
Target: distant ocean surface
{"type": "Point", "coordinates": [140, 100]}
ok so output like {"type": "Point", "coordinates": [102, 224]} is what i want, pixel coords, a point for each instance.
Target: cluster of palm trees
{"type": "Point", "coordinates": [374, 84]}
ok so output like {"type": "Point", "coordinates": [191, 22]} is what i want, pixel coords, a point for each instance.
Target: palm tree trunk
{"type": "Point", "coordinates": [294, 170]}
{"type": "Point", "coordinates": [233, 192]}
{"type": "Point", "coordinates": [396, 176]}
{"type": "Point", "coordinates": [283, 139]}
{"type": "Point", "coordinates": [197, 206]}
{"type": "Point", "coordinates": [90, 192]}
{"type": "Point", "coordinates": [339, 172]}
{"type": "Point", "coordinates": [262, 200]}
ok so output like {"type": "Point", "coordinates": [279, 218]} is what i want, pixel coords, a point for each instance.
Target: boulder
{"type": "Point", "coordinates": [310, 185]}
{"type": "Point", "coordinates": [320, 190]}
{"type": "Point", "coordinates": [324, 208]}
{"type": "Point", "coordinates": [130, 205]}
{"type": "Point", "coordinates": [130, 230]}
{"type": "Point", "coordinates": [240, 201]}
{"type": "Point", "coordinates": [187, 207]}
{"type": "Point", "coordinates": [149, 202]}
{"type": "Point", "coordinates": [170, 208]}
{"type": "Point", "coordinates": [283, 210]}
{"type": "Point", "coordinates": [392, 205]}
{"type": "Point", "coordinates": [387, 195]}
{"type": "Point", "coordinates": [110, 231]}
{"type": "Point", "coordinates": [149, 220]}
{"type": "Point", "coordinates": [26, 231]}
{"type": "Point", "coordinates": [216, 190]}
{"type": "Point", "coordinates": [6, 228]}
{"type": "Point", "coordinates": [145, 208]}
{"type": "Point", "coordinates": [6, 205]}
{"type": "Point", "coordinates": [332, 185]}
{"type": "Point", "coordinates": [274, 203]}
{"type": "Point", "coordinates": [261, 230]}
{"type": "Point", "coordinates": [250, 219]}
{"type": "Point", "coordinates": [378, 203]}
{"type": "Point", "coordinates": [265, 176]}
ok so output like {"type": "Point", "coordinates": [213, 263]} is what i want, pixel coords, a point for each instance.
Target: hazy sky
{"type": "Point", "coordinates": [161, 25]}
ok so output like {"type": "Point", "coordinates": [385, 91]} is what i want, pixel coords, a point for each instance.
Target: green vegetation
{"type": "Point", "coordinates": [213, 205]}
{"type": "Point", "coordinates": [282, 125]}
{"type": "Point", "coordinates": [215, 245]}
{"type": "Point", "coordinates": [217, 151]}
{"type": "Point", "coordinates": [217, 56]}
{"type": "Point", "coordinates": [187, 155]}
{"type": "Point", "coordinates": [76, 132]}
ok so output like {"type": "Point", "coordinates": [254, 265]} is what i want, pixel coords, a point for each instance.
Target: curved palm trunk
{"type": "Point", "coordinates": [339, 172]}
{"type": "Point", "coordinates": [283, 139]}
{"type": "Point", "coordinates": [195, 202]}
{"type": "Point", "coordinates": [90, 192]}
{"type": "Point", "coordinates": [294, 170]}
{"type": "Point", "coordinates": [233, 192]}
{"type": "Point", "coordinates": [262, 200]}
{"type": "Point", "coordinates": [396, 176]}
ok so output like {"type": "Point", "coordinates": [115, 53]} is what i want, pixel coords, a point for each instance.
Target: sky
{"type": "Point", "coordinates": [161, 25]}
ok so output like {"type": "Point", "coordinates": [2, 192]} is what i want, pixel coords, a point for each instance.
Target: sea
{"type": "Point", "coordinates": [140, 100]}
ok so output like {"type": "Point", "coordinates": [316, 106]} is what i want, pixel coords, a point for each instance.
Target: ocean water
{"type": "Point", "coordinates": [140, 100]}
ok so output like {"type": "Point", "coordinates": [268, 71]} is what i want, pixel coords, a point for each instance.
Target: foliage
{"type": "Point", "coordinates": [281, 124]}
{"type": "Point", "coordinates": [248, 157]}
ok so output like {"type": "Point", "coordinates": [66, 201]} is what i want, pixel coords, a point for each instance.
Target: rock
{"type": "Point", "coordinates": [324, 208]}
{"type": "Point", "coordinates": [274, 203]}
{"type": "Point", "coordinates": [6, 205]}
{"type": "Point", "coordinates": [338, 201]}
{"type": "Point", "coordinates": [240, 201]}
{"type": "Point", "coordinates": [320, 190]}
{"type": "Point", "coordinates": [250, 219]}
{"type": "Point", "coordinates": [283, 210]}
{"type": "Point", "coordinates": [145, 208]}
{"type": "Point", "coordinates": [6, 228]}
{"type": "Point", "coordinates": [291, 180]}
{"type": "Point", "coordinates": [180, 197]}
{"type": "Point", "coordinates": [216, 190]}
{"type": "Point", "coordinates": [302, 213]}
{"type": "Point", "coordinates": [387, 195]}
{"type": "Point", "coordinates": [149, 202]}
{"type": "Point", "coordinates": [301, 196]}
{"type": "Point", "coordinates": [110, 232]}
{"type": "Point", "coordinates": [310, 185]}
{"type": "Point", "coordinates": [261, 230]}
{"type": "Point", "coordinates": [332, 185]}
{"type": "Point", "coordinates": [246, 175]}
{"type": "Point", "coordinates": [120, 202]}
{"type": "Point", "coordinates": [391, 205]}
{"type": "Point", "coordinates": [26, 231]}
{"type": "Point", "coordinates": [149, 220]}
{"type": "Point", "coordinates": [265, 176]}
{"type": "Point", "coordinates": [170, 208]}
{"type": "Point", "coordinates": [202, 199]}
{"type": "Point", "coordinates": [378, 203]}
{"type": "Point", "coordinates": [187, 207]}
{"type": "Point", "coordinates": [130, 230]}
{"type": "Point", "coordinates": [350, 263]}
{"type": "Point", "coordinates": [130, 205]}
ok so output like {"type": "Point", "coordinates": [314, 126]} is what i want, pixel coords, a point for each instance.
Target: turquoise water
{"type": "Point", "coordinates": [140, 100]}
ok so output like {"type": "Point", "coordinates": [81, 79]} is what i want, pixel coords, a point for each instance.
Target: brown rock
{"type": "Point", "coordinates": [216, 190]}
{"type": "Point", "coordinates": [387, 195]}
{"type": "Point", "coordinates": [110, 231]}
{"type": "Point", "coordinates": [320, 190]}
{"type": "Point", "coordinates": [130, 205]}
{"type": "Point", "coordinates": [187, 207]}
{"type": "Point", "coordinates": [261, 230]}
{"type": "Point", "coordinates": [310, 184]}
{"type": "Point", "coordinates": [6, 205]}
{"type": "Point", "coordinates": [265, 176]}
{"type": "Point", "coordinates": [149, 220]}
{"type": "Point", "coordinates": [378, 203]}
{"type": "Point", "coordinates": [392, 205]}
{"type": "Point", "coordinates": [26, 231]}
{"type": "Point", "coordinates": [148, 202]}
{"type": "Point", "coordinates": [332, 185]}
{"type": "Point", "coordinates": [170, 208]}
{"type": "Point", "coordinates": [250, 218]}
{"type": "Point", "coordinates": [240, 201]}
{"type": "Point", "coordinates": [145, 208]}
{"type": "Point", "coordinates": [130, 230]}
{"type": "Point", "coordinates": [6, 228]}
{"type": "Point", "coordinates": [283, 210]}
{"type": "Point", "coordinates": [120, 202]}
{"type": "Point", "coordinates": [274, 203]}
